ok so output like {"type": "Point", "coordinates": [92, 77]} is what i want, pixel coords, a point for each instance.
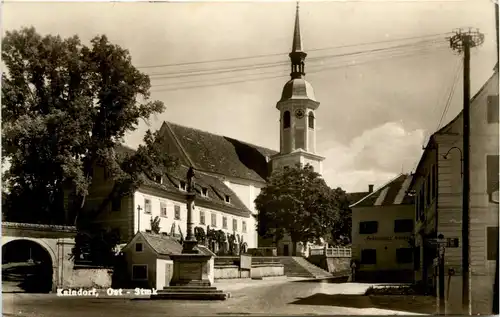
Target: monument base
{"type": "Point", "coordinates": [192, 279]}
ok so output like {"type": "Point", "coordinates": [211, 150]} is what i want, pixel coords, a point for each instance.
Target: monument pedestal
{"type": "Point", "coordinates": [192, 279]}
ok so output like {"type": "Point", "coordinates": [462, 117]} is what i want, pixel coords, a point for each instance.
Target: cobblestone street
{"type": "Point", "coordinates": [285, 297]}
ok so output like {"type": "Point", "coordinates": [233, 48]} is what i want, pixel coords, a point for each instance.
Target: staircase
{"type": "Point", "coordinates": [296, 266]}
{"type": "Point", "coordinates": [192, 291]}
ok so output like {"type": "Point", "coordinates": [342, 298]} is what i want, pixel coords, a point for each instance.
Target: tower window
{"type": "Point", "coordinates": [311, 120]}
{"type": "Point", "coordinates": [286, 119]}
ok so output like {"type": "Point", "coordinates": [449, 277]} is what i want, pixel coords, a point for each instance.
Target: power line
{"type": "Point", "coordinates": [314, 67]}
{"type": "Point", "coordinates": [276, 76]}
{"type": "Point", "coordinates": [280, 54]}
{"type": "Point", "coordinates": [445, 88]}
{"type": "Point", "coordinates": [189, 73]}
{"type": "Point", "coordinates": [452, 93]}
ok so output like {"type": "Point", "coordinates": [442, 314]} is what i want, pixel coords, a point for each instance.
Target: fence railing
{"type": "Point", "coordinates": [339, 252]}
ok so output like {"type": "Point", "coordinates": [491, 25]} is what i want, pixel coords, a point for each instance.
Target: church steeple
{"type": "Point", "coordinates": [297, 56]}
{"type": "Point", "coordinates": [297, 108]}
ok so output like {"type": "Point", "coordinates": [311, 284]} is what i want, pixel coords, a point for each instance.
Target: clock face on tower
{"type": "Point", "coordinates": [299, 113]}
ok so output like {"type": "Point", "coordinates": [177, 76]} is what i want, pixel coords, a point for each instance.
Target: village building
{"type": "Point", "coordinates": [229, 176]}
{"type": "Point", "coordinates": [382, 229]}
{"type": "Point", "coordinates": [148, 263]}
{"type": "Point", "coordinates": [437, 185]}
{"type": "Point", "coordinates": [229, 173]}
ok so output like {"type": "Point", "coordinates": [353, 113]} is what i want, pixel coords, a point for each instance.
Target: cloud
{"type": "Point", "coordinates": [374, 157]}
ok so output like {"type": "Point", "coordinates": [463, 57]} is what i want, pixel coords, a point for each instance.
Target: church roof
{"type": "Point", "coordinates": [298, 88]}
{"type": "Point", "coordinates": [394, 192]}
{"type": "Point", "coordinates": [220, 154]}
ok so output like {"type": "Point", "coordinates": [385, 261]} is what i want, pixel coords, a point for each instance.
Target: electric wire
{"type": "Point", "coordinates": [280, 54]}
{"type": "Point", "coordinates": [406, 54]}
{"type": "Point", "coordinates": [219, 70]}
{"type": "Point", "coordinates": [311, 70]}
{"type": "Point", "coordinates": [451, 94]}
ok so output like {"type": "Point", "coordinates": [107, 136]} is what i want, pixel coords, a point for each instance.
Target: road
{"type": "Point", "coordinates": [285, 297]}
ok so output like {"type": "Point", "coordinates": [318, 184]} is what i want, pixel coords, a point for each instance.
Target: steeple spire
{"type": "Point", "coordinates": [297, 56]}
{"type": "Point", "coordinates": [297, 39]}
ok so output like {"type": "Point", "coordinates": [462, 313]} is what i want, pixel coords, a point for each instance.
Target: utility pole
{"type": "Point", "coordinates": [462, 41]}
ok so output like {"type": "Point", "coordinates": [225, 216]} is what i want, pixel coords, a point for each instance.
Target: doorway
{"type": "Point", "coordinates": [286, 251]}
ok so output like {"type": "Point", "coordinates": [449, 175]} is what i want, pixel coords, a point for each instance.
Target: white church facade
{"type": "Point", "coordinates": [229, 173]}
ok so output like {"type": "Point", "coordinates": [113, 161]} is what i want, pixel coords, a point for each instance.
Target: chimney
{"type": "Point", "coordinates": [370, 188]}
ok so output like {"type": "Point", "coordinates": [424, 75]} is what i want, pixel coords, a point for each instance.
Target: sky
{"type": "Point", "coordinates": [377, 107]}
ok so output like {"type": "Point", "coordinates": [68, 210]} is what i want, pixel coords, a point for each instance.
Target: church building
{"type": "Point", "coordinates": [229, 173]}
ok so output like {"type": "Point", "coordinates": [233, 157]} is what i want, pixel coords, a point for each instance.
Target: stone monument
{"type": "Point", "coordinates": [193, 273]}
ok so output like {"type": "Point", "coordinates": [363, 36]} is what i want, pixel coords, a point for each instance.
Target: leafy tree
{"type": "Point", "coordinates": [155, 224]}
{"type": "Point", "coordinates": [65, 109]}
{"type": "Point", "coordinates": [298, 202]}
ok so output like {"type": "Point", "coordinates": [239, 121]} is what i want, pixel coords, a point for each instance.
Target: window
{"type": "Point", "coordinates": [311, 120]}
{"type": "Point", "coordinates": [204, 192]}
{"type": "Point", "coordinates": [214, 220]}
{"type": "Point", "coordinates": [139, 272]}
{"type": "Point", "coordinates": [404, 255]}
{"type": "Point", "coordinates": [434, 181]}
{"type": "Point", "coordinates": [428, 189]}
{"type": "Point", "coordinates": [421, 204]}
{"type": "Point", "coordinates": [244, 226]}
{"type": "Point", "coordinates": [416, 259]}
{"type": "Point", "coordinates": [177, 212]}
{"type": "Point", "coordinates": [492, 109]}
{"type": "Point", "coordinates": [368, 227]}
{"type": "Point", "coordinates": [147, 206]}
{"type": "Point", "coordinates": [403, 225]}
{"type": "Point", "coordinates": [369, 256]}
{"type": "Point", "coordinates": [159, 179]}
{"type": "Point", "coordinates": [148, 231]}
{"type": "Point", "coordinates": [138, 247]}
{"type": "Point", "coordinates": [492, 243]}
{"type": "Point", "coordinates": [202, 217]}
{"type": "Point", "coordinates": [116, 204]}
{"type": "Point", "coordinates": [492, 162]}
{"type": "Point", "coordinates": [182, 185]}
{"type": "Point", "coordinates": [417, 207]}
{"type": "Point", "coordinates": [227, 199]}
{"type": "Point", "coordinates": [286, 119]}
{"type": "Point", "coordinates": [235, 225]}
{"type": "Point", "coordinates": [163, 209]}
{"type": "Point", "coordinates": [224, 222]}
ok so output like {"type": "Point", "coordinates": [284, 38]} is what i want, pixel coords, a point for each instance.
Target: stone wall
{"type": "Point", "coordinates": [331, 264]}
{"type": "Point", "coordinates": [230, 272]}
{"type": "Point", "coordinates": [89, 277]}
{"type": "Point", "coordinates": [229, 268]}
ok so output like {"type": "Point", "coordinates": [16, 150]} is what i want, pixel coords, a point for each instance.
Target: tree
{"type": "Point", "coordinates": [298, 201]}
{"type": "Point", "coordinates": [155, 224]}
{"type": "Point", "coordinates": [66, 108]}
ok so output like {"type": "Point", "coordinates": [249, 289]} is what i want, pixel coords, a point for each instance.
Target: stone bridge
{"type": "Point", "coordinates": [57, 241]}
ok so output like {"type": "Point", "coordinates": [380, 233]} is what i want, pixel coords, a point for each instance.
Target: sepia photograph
{"type": "Point", "coordinates": [238, 158]}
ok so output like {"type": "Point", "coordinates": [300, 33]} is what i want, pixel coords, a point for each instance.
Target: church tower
{"type": "Point", "coordinates": [297, 108]}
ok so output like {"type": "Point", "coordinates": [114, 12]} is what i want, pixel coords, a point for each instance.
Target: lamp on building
{"type": "Point", "coordinates": [445, 156]}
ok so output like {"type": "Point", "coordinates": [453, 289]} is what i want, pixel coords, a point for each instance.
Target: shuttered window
{"type": "Point", "coordinates": [368, 227]}
{"type": "Point", "coordinates": [492, 243]}
{"type": "Point", "coordinates": [369, 256]}
{"type": "Point", "coordinates": [403, 225]}
{"type": "Point", "coordinates": [493, 109]}
{"type": "Point", "coordinates": [404, 255]}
